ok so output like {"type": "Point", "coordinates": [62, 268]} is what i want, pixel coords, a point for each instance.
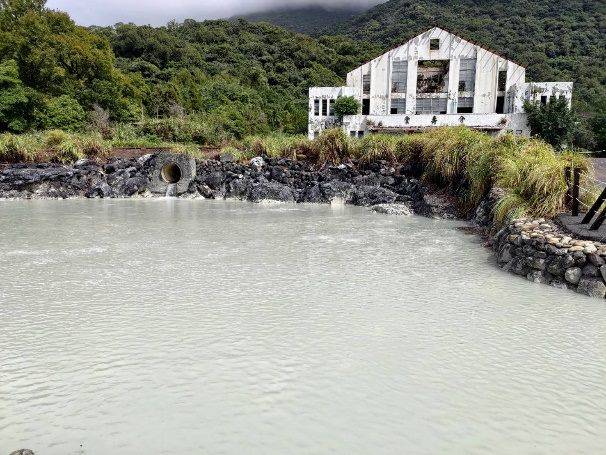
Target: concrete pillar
{"type": "Point", "coordinates": [453, 86]}
{"type": "Point", "coordinates": [411, 87]}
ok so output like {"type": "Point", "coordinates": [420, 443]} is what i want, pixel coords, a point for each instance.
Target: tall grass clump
{"type": "Point", "coordinates": [532, 174]}
{"type": "Point", "coordinates": [18, 148]}
{"type": "Point", "coordinates": [377, 147]}
{"type": "Point", "coordinates": [278, 145]}
{"type": "Point", "coordinates": [332, 147]}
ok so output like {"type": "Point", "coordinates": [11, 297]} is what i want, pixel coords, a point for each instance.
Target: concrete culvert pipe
{"type": "Point", "coordinates": [171, 173]}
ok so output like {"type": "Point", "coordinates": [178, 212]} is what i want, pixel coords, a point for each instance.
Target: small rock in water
{"type": "Point", "coordinates": [593, 287]}
{"type": "Point", "coordinates": [392, 209]}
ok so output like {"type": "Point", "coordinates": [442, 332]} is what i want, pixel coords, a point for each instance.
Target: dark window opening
{"type": "Point", "coordinates": [316, 107]}
{"type": "Point", "coordinates": [544, 99]}
{"type": "Point", "coordinates": [366, 84]}
{"type": "Point", "coordinates": [434, 44]}
{"type": "Point", "coordinates": [352, 133]}
{"type": "Point", "coordinates": [467, 75]}
{"type": "Point", "coordinates": [465, 105]}
{"type": "Point", "coordinates": [324, 108]}
{"type": "Point", "coordinates": [360, 133]}
{"type": "Point", "coordinates": [432, 76]}
{"type": "Point", "coordinates": [502, 82]}
{"type": "Point", "coordinates": [398, 106]}
{"type": "Point", "coordinates": [500, 105]}
{"type": "Point", "coordinates": [331, 108]}
{"type": "Point", "coordinates": [431, 105]}
{"type": "Point", "coordinates": [366, 106]}
{"type": "Point", "coordinates": [399, 76]}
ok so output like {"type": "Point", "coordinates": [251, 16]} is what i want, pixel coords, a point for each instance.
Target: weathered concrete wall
{"type": "Point", "coordinates": [318, 123]}
{"type": "Point", "coordinates": [452, 48]}
{"type": "Point", "coordinates": [494, 123]}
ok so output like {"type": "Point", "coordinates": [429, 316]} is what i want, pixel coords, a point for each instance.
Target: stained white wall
{"type": "Point", "coordinates": [452, 48]}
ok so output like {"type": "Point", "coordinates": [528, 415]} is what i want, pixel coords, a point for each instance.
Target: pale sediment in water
{"type": "Point", "coordinates": [175, 324]}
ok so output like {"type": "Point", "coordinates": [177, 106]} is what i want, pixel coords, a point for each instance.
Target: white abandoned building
{"type": "Point", "coordinates": [435, 79]}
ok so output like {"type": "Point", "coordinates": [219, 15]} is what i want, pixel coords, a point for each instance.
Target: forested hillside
{"type": "Point", "coordinates": [311, 20]}
{"type": "Point", "coordinates": [557, 40]}
{"type": "Point", "coordinates": [258, 74]}
{"type": "Point", "coordinates": [233, 77]}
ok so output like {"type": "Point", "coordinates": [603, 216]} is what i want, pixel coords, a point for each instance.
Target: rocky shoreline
{"type": "Point", "coordinates": [536, 249]}
{"type": "Point", "coordinates": [276, 179]}
{"type": "Point", "coordinates": [540, 251]}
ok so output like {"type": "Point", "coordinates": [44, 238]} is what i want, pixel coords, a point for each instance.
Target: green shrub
{"type": "Point", "coordinates": [64, 113]}
{"type": "Point", "coordinates": [346, 105]}
{"type": "Point", "coordinates": [61, 147]}
{"type": "Point", "coordinates": [553, 122]}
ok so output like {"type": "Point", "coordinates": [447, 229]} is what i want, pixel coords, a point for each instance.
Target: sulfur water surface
{"type": "Point", "coordinates": [178, 326]}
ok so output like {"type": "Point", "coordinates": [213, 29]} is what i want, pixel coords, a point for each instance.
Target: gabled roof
{"type": "Point", "coordinates": [453, 34]}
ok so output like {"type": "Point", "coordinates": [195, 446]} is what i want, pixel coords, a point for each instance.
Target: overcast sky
{"type": "Point", "coordinates": [157, 12]}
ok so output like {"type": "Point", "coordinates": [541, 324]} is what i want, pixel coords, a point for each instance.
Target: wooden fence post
{"type": "Point", "coordinates": [575, 191]}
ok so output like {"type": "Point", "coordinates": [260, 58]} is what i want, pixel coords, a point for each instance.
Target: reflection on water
{"type": "Point", "coordinates": [171, 326]}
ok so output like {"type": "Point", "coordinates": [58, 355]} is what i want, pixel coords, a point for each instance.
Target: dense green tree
{"type": "Point", "coordinates": [55, 57]}
{"type": "Point", "coordinates": [17, 101]}
{"type": "Point", "coordinates": [553, 122]}
{"type": "Point", "coordinates": [63, 112]}
{"type": "Point", "coordinates": [346, 105]}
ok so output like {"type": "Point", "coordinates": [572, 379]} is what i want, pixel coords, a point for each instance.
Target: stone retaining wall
{"type": "Point", "coordinates": [540, 251]}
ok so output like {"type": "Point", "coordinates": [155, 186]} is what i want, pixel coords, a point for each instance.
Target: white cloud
{"type": "Point", "coordinates": [156, 12]}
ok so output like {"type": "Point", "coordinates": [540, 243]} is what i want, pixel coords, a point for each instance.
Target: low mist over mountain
{"type": "Point", "coordinates": [313, 20]}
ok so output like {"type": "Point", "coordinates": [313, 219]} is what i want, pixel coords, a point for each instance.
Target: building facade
{"type": "Point", "coordinates": [435, 79]}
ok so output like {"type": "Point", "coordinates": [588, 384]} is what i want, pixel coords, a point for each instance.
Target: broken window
{"type": "Point", "coordinates": [366, 106]}
{"type": "Point", "coordinates": [366, 83]}
{"type": "Point", "coordinates": [465, 105]}
{"type": "Point", "coordinates": [500, 105]}
{"type": "Point", "coordinates": [398, 106]}
{"type": "Point", "coordinates": [431, 105]}
{"type": "Point", "coordinates": [324, 107]}
{"type": "Point", "coordinates": [467, 75]}
{"type": "Point", "coordinates": [434, 44]}
{"type": "Point", "coordinates": [502, 82]}
{"type": "Point", "coordinates": [316, 107]}
{"type": "Point", "coordinates": [432, 76]}
{"type": "Point", "coordinates": [399, 76]}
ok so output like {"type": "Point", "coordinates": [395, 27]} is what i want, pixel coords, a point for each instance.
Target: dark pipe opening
{"type": "Point", "coordinates": [171, 173]}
